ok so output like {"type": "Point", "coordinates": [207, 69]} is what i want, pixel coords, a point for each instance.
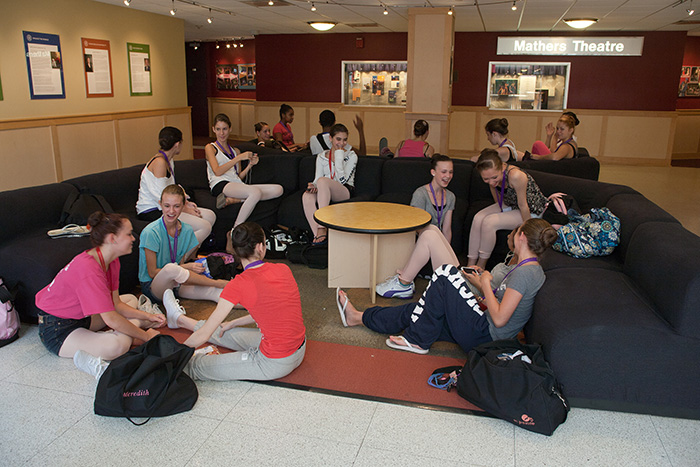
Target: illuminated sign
{"type": "Point", "coordinates": [596, 46]}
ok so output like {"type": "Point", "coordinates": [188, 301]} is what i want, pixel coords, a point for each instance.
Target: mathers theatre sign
{"type": "Point", "coordinates": [589, 45]}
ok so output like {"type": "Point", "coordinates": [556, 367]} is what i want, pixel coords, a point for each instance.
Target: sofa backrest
{"type": "Point", "coordinates": [191, 174]}
{"type": "Point", "coordinates": [33, 208]}
{"type": "Point", "coordinates": [634, 209]}
{"type": "Point", "coordinates": [368, 177]}
{"type": "Point", "coordinates": [581, 167]}
{"type": "Point", "coordinates": [279, 168]}
{"type": "Point", "coordinates": [663, 258]}
{"type": "Point", "coordinates": [120, 187]}
{"type": "Point", "coordinates": [588, 193]}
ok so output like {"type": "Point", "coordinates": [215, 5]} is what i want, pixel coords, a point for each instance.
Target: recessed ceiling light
{"type": "Point", "coordinates": [580, 23]}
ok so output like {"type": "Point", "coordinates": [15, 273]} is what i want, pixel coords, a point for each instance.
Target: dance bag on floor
{"type": "Point", "coordinates": [147, 381]}
{"type": "Point", "coordinates": [514, 382]}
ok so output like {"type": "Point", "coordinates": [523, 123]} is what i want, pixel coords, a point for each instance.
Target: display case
{"type": "Point", "coordinates": [375, 83]}
{"type": "Point", "coordinates": [528, 85]}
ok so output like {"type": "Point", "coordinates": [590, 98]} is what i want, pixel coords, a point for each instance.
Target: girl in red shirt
{"type": "Point", "coordinates": [270, 294]}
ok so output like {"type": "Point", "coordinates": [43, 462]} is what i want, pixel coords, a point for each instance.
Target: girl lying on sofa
{"type": "Point", "coordinates": [450, 310]}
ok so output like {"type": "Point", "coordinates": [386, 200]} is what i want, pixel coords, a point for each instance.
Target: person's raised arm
{"type": "Point", "coordinates": [360, 125]}
{"type": "Point", "coordinates": [550, 142]}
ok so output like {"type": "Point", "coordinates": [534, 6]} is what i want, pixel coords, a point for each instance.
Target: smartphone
{"type": "Point", "coordinates": [469, 270]}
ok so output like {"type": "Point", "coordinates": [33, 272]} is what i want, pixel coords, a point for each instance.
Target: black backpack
{"type": "Point", "coordinates": [514, 382]}
{"type": "Point", "coordinates": [79, 206]}
{"type": "Point", "coordinates": [313, 255]}
{"type": "Point", "coordinates": [147, 381]}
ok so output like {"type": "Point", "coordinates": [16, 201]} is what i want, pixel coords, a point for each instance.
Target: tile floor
{"type": "Point", "coordinates": [48, 417]}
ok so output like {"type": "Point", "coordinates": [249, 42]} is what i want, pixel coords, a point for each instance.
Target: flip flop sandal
{"type": "Point", "coordinates": [408, 347]}
{"type": "Point", "coordinates": [341, 308]}
{"type": "Point", "coordinates": [70, 230]}
{"type": "Point", "coordinates": [322, 242]}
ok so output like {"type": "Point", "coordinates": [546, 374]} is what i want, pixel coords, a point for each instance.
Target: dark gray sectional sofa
{"type": "Point", "coordinates": [621, 332]}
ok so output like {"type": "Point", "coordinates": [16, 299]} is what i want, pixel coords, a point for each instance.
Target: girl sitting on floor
{"type": "Point", "coordinates": [450, 311]}
{"type": "Point", "coordinates": [270, 294]}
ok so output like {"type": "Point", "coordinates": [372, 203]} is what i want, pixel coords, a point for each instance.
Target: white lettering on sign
{"type": "Point", "coordinates": [626, 46]}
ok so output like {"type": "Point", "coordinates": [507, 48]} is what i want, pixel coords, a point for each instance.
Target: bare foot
{"type": "Point", "coordinates": [352, 316]}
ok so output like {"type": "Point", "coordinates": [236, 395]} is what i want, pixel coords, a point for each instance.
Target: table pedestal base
{"type": "Point", "coordinates": [359, 260]}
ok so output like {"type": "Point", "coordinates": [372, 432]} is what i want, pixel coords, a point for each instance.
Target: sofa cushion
{"type": "Point", "coordinates": [604, 341]}
{"type": "Point", "coordinates": [32, 209]}
{"type": "Point", "coordinates": [368, 177]}
{"type": "Point", "coordinates": [551, 259]}
{"type": "Point", "coordinates": [663, 258]}
{"type": "Point", "coordinates": [281, 169]}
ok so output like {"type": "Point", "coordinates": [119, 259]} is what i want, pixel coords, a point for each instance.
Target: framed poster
{"type": "Point", "coordinates": [44, 65]}
{"type": "Point", "coordinates": [97, 62]}
{"type": "Point", "coordinates": [227, 77]}
{"type": "Point", "coordinates": [689, 85]}
{"type": "Point", "coordinates": [246, 76]}
{"type": "Point", "coordinates": [139, 69]}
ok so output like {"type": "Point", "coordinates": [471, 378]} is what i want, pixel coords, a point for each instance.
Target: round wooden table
{"type": "Point", "coordinates": [368, 239]}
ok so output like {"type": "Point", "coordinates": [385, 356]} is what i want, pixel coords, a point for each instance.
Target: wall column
{"type": "Point", "coordinates": [429, 93]}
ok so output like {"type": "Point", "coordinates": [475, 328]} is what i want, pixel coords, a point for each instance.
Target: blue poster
{"type": "Point", "coordinates": [44, 65]}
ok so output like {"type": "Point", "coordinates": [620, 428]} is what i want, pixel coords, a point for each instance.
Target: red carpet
{"type": "Point", "coordinates": [371, 374]}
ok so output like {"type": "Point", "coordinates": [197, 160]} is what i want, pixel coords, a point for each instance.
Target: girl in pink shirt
{"type": "Point", "coordinates": [84, 298]}
{"type": "Point", "coordinates": [282, 131]}
{"type": "Point", "coordinates": [416, 146]}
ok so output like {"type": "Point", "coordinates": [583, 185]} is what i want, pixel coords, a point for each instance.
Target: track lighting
{"type": "Point", "coordinates": [173, 10]}
{"type": "Point", "coordinates": [240, 45]}
{"type": "Point", "coordinates": [313, 7]}
{"type": "Point", "coordinates": [228, 45]}
{"type": "Point", "coordinates": [450, 12]}
{"type": "Point", "coordinates": [514, 7]}
{"type": "Point", "coordinates": [127, 2]}
{"type": "Point", "coordinates": [217, 44]}
{"type": "Point", "coordinates": [210, 19]}
{"type": "Point", "coordinates": [386, 12]}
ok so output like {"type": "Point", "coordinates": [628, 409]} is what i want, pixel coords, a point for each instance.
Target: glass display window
{"type": "Point", "coordinates": [528, 85]}
{"type": "Point", "coordinates": [374, 83]}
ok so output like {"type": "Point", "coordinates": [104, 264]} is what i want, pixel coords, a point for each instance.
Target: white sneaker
{"type": "Point", "coordinates": [173, 309]}
{"type": "Point", "coordinates": [146, 305]}
{"type": "Point", "coordinates": [393, 288]}
{"type": "Point", "coordinates": [90, 364]}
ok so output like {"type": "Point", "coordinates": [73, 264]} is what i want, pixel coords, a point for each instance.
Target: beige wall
{"type": "Point", "coordinates": [686, 144]}
{"type": "Point", "coordinates": [48, 140]}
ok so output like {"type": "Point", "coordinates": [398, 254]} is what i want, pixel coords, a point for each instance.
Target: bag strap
{"type": "Point", "coordinates": [138, 424]}
{"type": "Point", "coordinates": [66, 207]}
{"type": "Point", "coordinates": [322, 141]}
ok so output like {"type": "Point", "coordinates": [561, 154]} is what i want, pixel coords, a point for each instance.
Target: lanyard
{"type": "Point", "coordinates": [165, 156]}
{"type": "Point", "coordinates": [503, 142]}
{"type": "Point", "coordinates": [230, 155]}
{"type": "Point", "coordinates": [503, 184]}
{"type": "Point", "coordinates": [253, 264]}
{"type": "Point", "coordinates": [527, 260]}
{"type": "Point", "coordinates": [563, 142]}
{"type": "Point", "coordinates": [289, 130]}
{"type": "Point", "coordinates": [173, 255]}
{"type": "Point", "coordinates": [330, 163]}
{"type": "Point", "coordinates": [101, 258]}
{"type": "Point", "coordinates": [441, 207]}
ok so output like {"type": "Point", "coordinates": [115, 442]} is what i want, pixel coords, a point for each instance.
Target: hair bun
{"type": "Point", "coordinates": [95, 218]}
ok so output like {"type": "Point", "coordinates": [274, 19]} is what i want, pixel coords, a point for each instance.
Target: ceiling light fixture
{"type": "Point", "coordinates": [450, 12]}
{"type": "Point", "coordinates": [690, 10]}
{"type": "Point", "coordinates": [173, 10]}
{"type": "Point", "coordinates": [313, 7]}
{"type": "Point", "coordinates": [270, 3]}
{"type": "Point", "coordinates": [127, 2]}
{"type": "Point", "coordinates": [228, 45]}
{"type": "Point", "coordinates": [240, 45]}
{"type": "Point", "coordinates": [235, 46]}
{"type": "Point", "coordinates": [386, 12]}
{"type": "Point", "coordinates": [210, 19]}
{"type": "Point", "coordinates": [580, 23]}
{"type": "Point", "coordinates": [217, 44]}
{"type": "Point", "coordinates": [322, 25]}
{"type": "Point", "coordinates": [514, 7]}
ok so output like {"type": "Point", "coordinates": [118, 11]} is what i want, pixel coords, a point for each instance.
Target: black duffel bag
{"type": "Point", "coordinates": [147, 381]}
{"type": "Point", "coordinates": [514, 382]}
